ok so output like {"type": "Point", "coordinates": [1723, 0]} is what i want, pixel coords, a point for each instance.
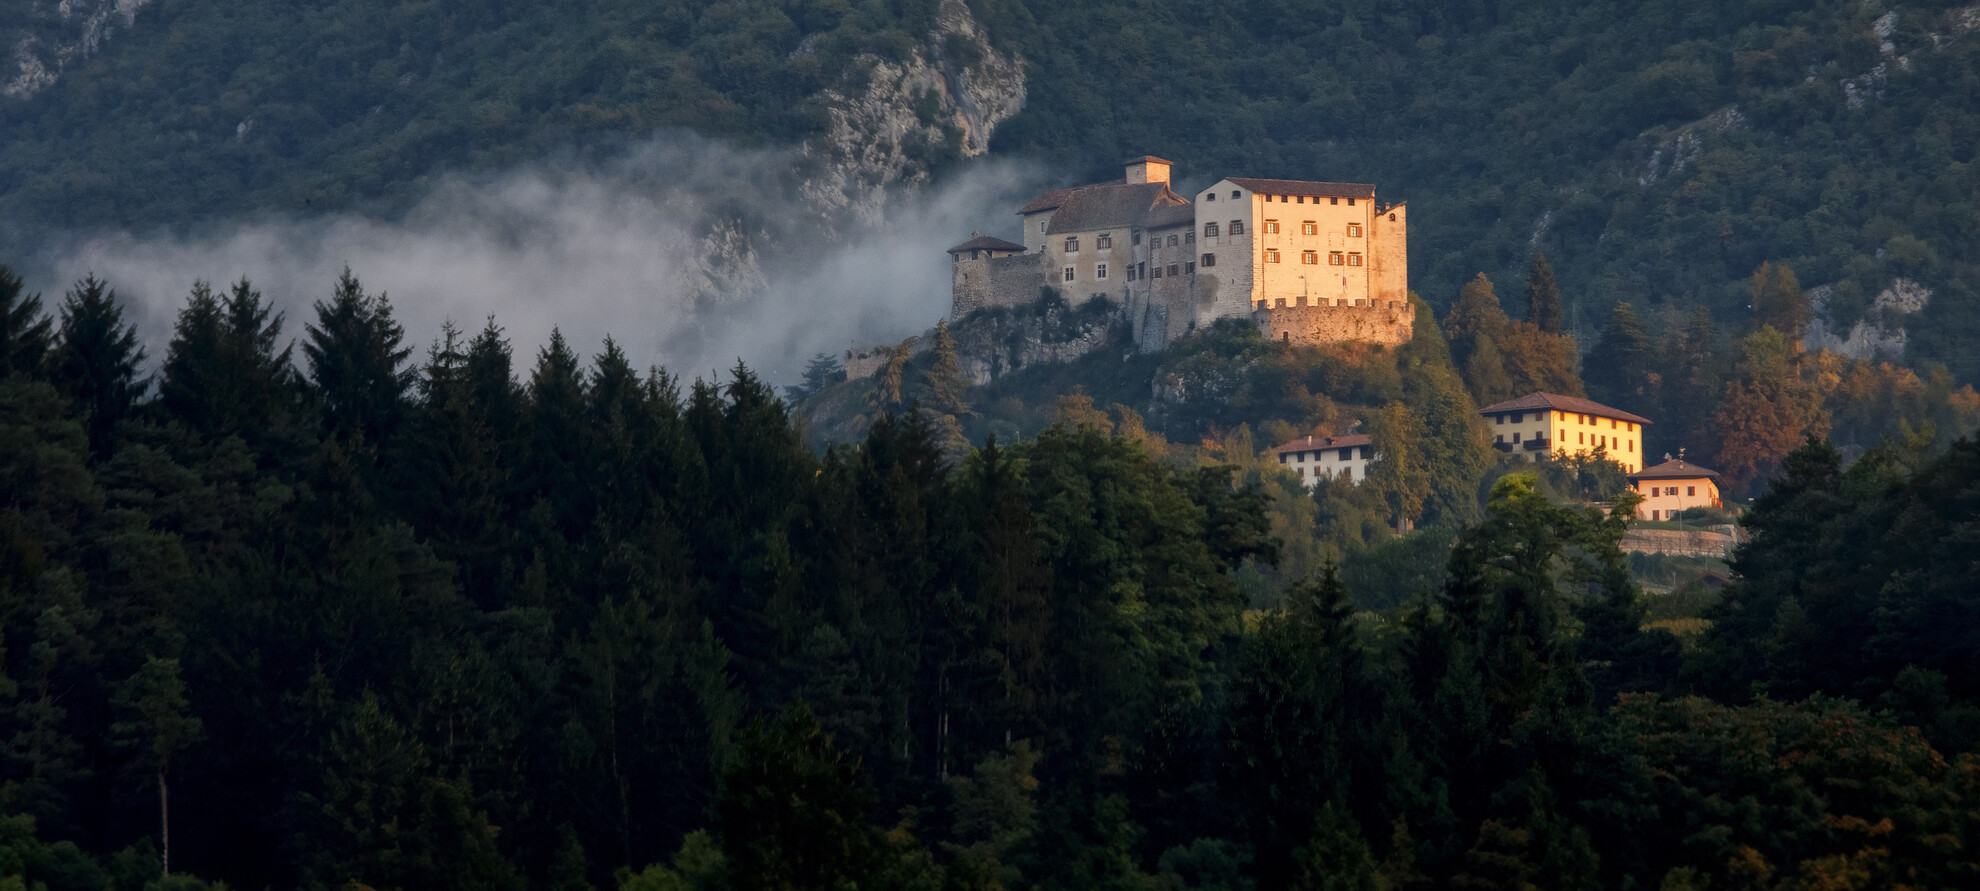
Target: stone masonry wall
{"type": "Point", "coordinates": [1390, 322]}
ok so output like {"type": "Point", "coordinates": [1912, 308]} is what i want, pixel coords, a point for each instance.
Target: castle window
{"type": "Point", "coordinates": [1104, 241]}
{"type": "Point", "coordinates": [1136, 238]}
{"type": "Point", "coordinates": [1069, 273]}
{"type": "Point", "coordinates": [1100, 270]}
{"type": "Point", "coordinates": [1392, 218]}
{"type": "Point", "coordinates": [1041, 227]}
{"type": "Point", "coordinates": [1354, 230]}
{"type": "Point", "coordinates": [1335, 258]}
{"type": "Point", "coordinates": [1209, 230]}
{"type": "Point", "coordinates": [1209, 260]}
{"type": "Point", "coordinates": [1172, 270]}
{"type": "Point", "coordinates": [1333, 201]}
{"type": "Point", "coordinates": [1309, 258]}
{"type": "Point", "coordinates": [1072, 244]}
{"type": "Point", "coordinates": [1189, 237]}
{"type": "Point", "coordinates": [1158, 272]}
{"type": "Point", "coordinates": [1300, 200]}
{"type": "Point", "coordinates": [1271, 256]}
{"type": "Point", "coordinates": [1354, 259]}
{"type": "Point", "coordinates": [1189, 268]}
{"type": "Point", "coordinates": [1271, 227]}
{"type": "Point", "coordinates": [1237, 227]}
{"type": "Point", "coordinates": [1172, 241]}
{"type": "Point", "coordinates": [1350, 202]}
{"type": "Point", "coordinates": [1142, 268]}
{"type": "Point", "coordinates": [1691, 490]}
{"type": "Point", "coordinates": [1235, 194]}
{"type": "Point", "coordinates": [1209, 196]}
{"type": "Point", "coordinates": [1309, 228]}
{"type": "Point", "coordinates": [1131, 272]}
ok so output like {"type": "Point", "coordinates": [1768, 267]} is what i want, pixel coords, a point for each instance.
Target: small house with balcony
{"type": "Point", "coordinates": [1343, 457]}
{"type": "Point", "coordinates": [1549, 425]}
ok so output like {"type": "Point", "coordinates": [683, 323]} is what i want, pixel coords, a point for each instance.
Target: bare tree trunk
{"type": "Point", "coordinates": [164, 826]}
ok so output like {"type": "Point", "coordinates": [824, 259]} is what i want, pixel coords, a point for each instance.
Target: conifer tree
{"type": "Point", "coordinates": [1622, 362]}
{"type": "Point", "coordinates": [1543, 297]}
{"type": "Point", "coordinates": [25, 334]}
{"type": "Point", "coordinates": [98, 359]}
{"type": "Point", "coordinates": [822, 371]}
{"type": "Point", "coordinates": [357, 359]}
{"type": "Point", "coordinates": [222, 372]}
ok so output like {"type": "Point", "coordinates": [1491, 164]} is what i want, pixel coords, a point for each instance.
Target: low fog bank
{"type": "Point", "coordinates": [689, 253]}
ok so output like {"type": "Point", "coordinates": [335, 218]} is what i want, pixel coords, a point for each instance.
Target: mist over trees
{"type": "Point", "coordinates": [438, 616]}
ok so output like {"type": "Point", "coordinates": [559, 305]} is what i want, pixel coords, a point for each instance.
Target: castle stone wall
{"type": "Point", "coordinates": [1002, 281]}
{"type": "Point", "coordinates": [1390, 322]}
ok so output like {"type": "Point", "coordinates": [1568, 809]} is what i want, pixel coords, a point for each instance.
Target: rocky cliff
{"type": "Point", "coordinates": [48, 37]}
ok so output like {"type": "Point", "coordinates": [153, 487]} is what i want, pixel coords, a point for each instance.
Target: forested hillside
{"type": "Point", "coordinates": [316, 613]}
{"type": "Point", "coordinates": [1656, 152]}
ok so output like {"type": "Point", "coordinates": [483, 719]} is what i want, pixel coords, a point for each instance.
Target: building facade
{"type": "Point", "coordinates": [1673, 487]}
{"type": "Point", "coordinates": [1549, 425]}
{"type": "Point", "coordinates": [1309, 262]}
{"type": "Point", "coordinates": [1344, 457]}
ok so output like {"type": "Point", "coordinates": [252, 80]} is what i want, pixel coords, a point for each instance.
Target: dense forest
{"type": "Point", "coordinates": [299, 608]}
{"type": "Point", "coordinates": [1657, 151]}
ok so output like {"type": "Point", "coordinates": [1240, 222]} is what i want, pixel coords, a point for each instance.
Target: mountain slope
{"type": "Point", "coordinates": [1657, 152]}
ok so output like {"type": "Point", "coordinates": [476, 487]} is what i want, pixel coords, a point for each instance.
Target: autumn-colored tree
{"type": "Point", "coordinates": [1767, 409]}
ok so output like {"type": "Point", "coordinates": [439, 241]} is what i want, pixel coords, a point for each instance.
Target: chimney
{"type": "Point", "coordinates": [1147, 169]}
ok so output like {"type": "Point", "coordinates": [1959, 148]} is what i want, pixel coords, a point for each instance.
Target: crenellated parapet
{"type": "Point", "coordinates": [1317, 321]}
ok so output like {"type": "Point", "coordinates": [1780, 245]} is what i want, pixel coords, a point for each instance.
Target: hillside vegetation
{"type": "Point", "coordinates": [332, 617]}
{"type": "Point", "coordinates": [1657, 152]}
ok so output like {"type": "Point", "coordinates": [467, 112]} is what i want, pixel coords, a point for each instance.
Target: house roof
{"type": "Point", "coordinates": [1049, 200]}
{"type": "Point", "coordinates": [1169, 215]}
{"type": "Point", "coordinates": [1148, 159]}
{"type": "Point", "coordinates": [1313, 443]}
{"type": "Point", "coordinates": [1675, 469]}
{"type": "Point", "coordinates": [1112, 206]}
{"type": "Point", "coordinates": [986, 243]}
{"type": "Point", "coordinates": [1557, 402]}
{"type": "Point", "coordinates": [1302, 187]}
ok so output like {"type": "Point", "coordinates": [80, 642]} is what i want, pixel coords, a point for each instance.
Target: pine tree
{"type": "Point", "coordinates": [222, 372]}
{"type": "Point", "coordinates": [357, 359]}
{"type": "Point", "coordinates": [1543, 297]}
{"type": "Point", "coordinates": [822, 371]}
{"type": "Point", "coordinates": [25, 334]}
{"type": "Point", "coordinates": [98, 359]}
{"type": "Point", "coordinates": [1622, 362]}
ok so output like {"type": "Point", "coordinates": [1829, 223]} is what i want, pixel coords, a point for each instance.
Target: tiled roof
{"type": "Point", "coordinates": [1144, 159]}
{"type": "Point", "coordinates": [1313, 443]}
{"type": "Point", "coordinates": [1169, 215]}
{"type": "Point", "coordinates": [1048, 200]}
{"type": "Point", "coordinates": [1674, 469]}
{"type": "Point", "coordinates": [986, 243]}
{"type": "Point", "coordinates": [1112, 205]}
{"type": "Point", "coordinates": [1538, 401]}
{"type": "Point", "coordinates": [1302, 187]}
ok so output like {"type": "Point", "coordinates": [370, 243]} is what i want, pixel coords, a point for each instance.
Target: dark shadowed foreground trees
{"type": "Point", "coordinates": [429, 625]}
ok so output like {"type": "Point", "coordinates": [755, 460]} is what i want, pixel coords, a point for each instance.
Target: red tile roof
{"type": "Point", "coordinates": [1556, 402]}
{"type": "Point", "coordinates": [1316, 443]}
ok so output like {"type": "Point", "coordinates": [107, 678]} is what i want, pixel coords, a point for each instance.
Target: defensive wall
{"type": "Point", "coordinates": [1311, 323]}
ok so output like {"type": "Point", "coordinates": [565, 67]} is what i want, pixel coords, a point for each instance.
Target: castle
{"type": "Point", "coordinates": [1309, 262]}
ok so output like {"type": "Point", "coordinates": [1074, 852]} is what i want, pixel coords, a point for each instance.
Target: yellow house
{"type": "Point", "coordinates": [1547, 424]}
{"type": "Point", "coordinates": [1674, 486]}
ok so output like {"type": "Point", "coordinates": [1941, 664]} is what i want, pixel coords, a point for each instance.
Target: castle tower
{"type": "Point", "coordinates": [971, 279]}
{"type": "Point", "coordinates": [1148, 169]}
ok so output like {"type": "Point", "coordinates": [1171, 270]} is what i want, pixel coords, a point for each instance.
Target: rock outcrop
{"type": "Point", "coordinates": [56, 36]}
